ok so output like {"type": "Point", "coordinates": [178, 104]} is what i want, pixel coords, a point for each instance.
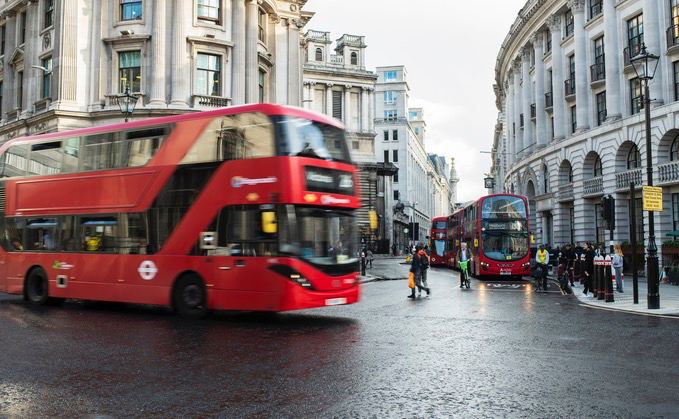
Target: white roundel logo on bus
{"type": "Point", "coordinates": [147, 270]}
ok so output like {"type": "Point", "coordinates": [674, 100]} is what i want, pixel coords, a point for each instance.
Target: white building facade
{"type": "Point", "coordinates": [337, 83]}
{"type": "Point", "coordinates": [63, 64]}
{"type": "Point", "coordinates": [571, 124]}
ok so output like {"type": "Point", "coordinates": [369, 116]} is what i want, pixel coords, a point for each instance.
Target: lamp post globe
{"type": "Point", "coordinates": [127, 102]}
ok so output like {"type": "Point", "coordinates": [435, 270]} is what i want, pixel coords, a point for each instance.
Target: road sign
{"type": "Point", "coordinates": [652, 198]}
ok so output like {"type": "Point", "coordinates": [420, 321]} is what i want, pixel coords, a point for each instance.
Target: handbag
{"type": "Point", "coordinates": [411, 280]}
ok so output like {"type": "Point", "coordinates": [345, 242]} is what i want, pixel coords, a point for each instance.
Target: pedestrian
{"type": "Point", "coordinates": [463, 255]}
{"type": "Point", "coordinates": [617, 263]}
{"type": "Point", "coordinates": [393, 249]}
{"type": "Point", "coordinates": [370, 257]}
{"type": "Point", "coordinates": [542, 260]}
{"type": "Point", "coordinates": [579, 262]}
{"type": "Point", "coordinates": [423, 254]}
{"type": "Point", "coordinates": [588, 268]}
{"type": "Point", "coordinates": [569, 257]}
{"type": "Point", "coordinates": [416, 267]}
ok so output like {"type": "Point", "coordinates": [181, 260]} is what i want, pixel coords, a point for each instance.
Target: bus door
{"type": "Point", "coordinates": [98, 267]}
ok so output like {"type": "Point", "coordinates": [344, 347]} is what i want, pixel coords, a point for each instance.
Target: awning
{"type": "Point", "coordinates": [674, 233]}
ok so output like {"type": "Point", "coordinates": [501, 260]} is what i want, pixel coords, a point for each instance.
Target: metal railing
{"type": "Point", "coordinates": [630, 52]}
{"type": "Point", "coordinates": [672, 36]}
{"type": "Point", "coordinates": [623, 179]}
{"type": "Point", "coordinates": [336, 59]}
{"type": "Point", "coordinates": [211, 101]}
{"type": "Point", "coordinates": [569, 86]}
{"type": "Point", "coordinates": [598, 71]}
{"type": "Point", "coordinates": [565, 192]}
{"type": "Point", "coordinates": [549, 100]}
{"type": "Point", "coordinates": [668, 172]}
{"type": "Point", "coordinates": [593, 186]}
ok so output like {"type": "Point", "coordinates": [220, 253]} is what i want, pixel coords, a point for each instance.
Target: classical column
{"type": "Point", "coordinates": [294, 61]}
{"type": "Point", "coordinates": [347, 108]}
{"type": "Point", "coordinates": [365, 105]}
{"type": "Point", "coordinates": [328, 99]}
{"type": "Point", "coordinates": [612, 52]}
{"type": "Point", "coordinates": [238, 53]}
{"type": "Point", "coordinates": [559, 107]}
{"type": "Point", "coordinates": [527, 100]}
{"type": "Point", "coordinates": [66, 53]}
{"type": "Point", "coordinates": [371, 109]}
{"type": "Point", "coordinates": [518, 106]}
{"type": "Point", "coordinates": [540, 115]}
{"type": "Point", "coordinates": [652, 40]}
{"type": "Point", "coordinates": [509, 119]}
{"type": "Point", "coordinates": [180, 80]}
{"type": "Point", "coordinates": [582, 90]}
{"type": "Point", "coordinates": [158, 51]}
{"type": "Point", "coordinates": [95, 58]}
{"type": "Point", "coordinates": [251, 58]}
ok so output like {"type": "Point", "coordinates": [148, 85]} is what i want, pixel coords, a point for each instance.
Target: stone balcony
{"type": "Point", "coordinates": [593, 187]}
{"type": "Point", "coordinates": [210, 101]}
{"type": "Point", "coordinates": [565, 193]}
{"type": "Point", "coordinates": [337, 59]}
{"type": "Point", "coordinates": [668, 172]}
{"type": "Point", "coordinates": [623, 179]}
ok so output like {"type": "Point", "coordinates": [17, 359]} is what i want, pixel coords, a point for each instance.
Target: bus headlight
{"type": "Point", "coordinates": [292, 275]}
{"type": "Point", "coordinates": [300, 280]}
{"type": "Point", "coordinates": [525, 265]}
{"type": "Point", "coordinates": [484, 265]}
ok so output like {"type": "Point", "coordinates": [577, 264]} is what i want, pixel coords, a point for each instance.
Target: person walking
{"type": "Point", "coordinates": [463, 255]}
{"type": "Point", "coordinates": [617, 263]}
{"type": "Point", "coordinates": [569, 257]}
{"type": "Point", "coordinates": [417, 267]}
{"type": "Point", "coordinates": [542, 259]}
{"type": "Point", "coordinates": [588, 267]}
{"type": "Point", "coordinates": [424, 263]}
{"type": "Point", "coordinates": [369, 254]}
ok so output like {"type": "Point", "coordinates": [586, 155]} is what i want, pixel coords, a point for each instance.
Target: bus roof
{"type": "Point", "coordinates": [265, 108]}
{"type": "Point", "coordinates": [476, 201]}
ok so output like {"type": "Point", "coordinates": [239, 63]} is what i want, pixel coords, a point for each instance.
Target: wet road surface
{"type": "Point", "coordinates": [492, 351]}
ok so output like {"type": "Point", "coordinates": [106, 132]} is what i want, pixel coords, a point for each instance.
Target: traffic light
{"type": "Point", "coordinates": [416, 231]}
{"type": "Point", "coordinates": [608, 211]}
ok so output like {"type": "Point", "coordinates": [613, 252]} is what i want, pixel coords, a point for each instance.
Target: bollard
{"type": "Point", "coordinates": [362, 264]}
{"type": "Point", "coordinates": [602, 283]}
{"type": "Point", "coordinates": [607, 278]}
{"type": "Point", "coordinates": [598, 293]}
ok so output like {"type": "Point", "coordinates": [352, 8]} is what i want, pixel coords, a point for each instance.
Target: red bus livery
{"type": "Point", "coordinates": [241, 208]}
{"type": "Point", "coordinates": [439, 246]}
{"type": "Point", "coordinates": [495, 228]}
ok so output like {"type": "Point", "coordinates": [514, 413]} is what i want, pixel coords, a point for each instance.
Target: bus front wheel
{"type": "Point", "coordinates": [36, 288]}
{"type": "Point", "coordinates": [190, 297]}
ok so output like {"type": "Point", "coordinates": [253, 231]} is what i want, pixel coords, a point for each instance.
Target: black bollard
{"type": "Point", "coordinates": [610, 298]}
{"type": "Point", "coordinates": [363, 266]}
{"type": "Point", "coordinates": [601, 295]}
{"type": "Point", "coordinates": [598, 292]}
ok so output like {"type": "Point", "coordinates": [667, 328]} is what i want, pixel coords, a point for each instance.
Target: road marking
{"type": "Point", "coordinates": [620, 310]}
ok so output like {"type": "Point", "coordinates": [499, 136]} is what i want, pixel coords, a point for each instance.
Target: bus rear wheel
{"type": "Point", "coordinates": [36, 288]}
{"type": "Point", "coordinates": [190, 297]}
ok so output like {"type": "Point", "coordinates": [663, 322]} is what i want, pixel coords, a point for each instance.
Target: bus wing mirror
{"type": "Point", "coordinates": [269, 225]}
{"type": "Point", "coordinates": [208, 240]}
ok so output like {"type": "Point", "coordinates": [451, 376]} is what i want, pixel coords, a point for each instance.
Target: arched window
{"type": "Point", "coordinates": [633, 158]}
{"type": "Point", "coordinates": [570, 174]}
{"type": "Point", "coordinates": [545, 178]}
{"type": "Point", "coordinates": [319, 54]}
{"type": "Point", "coordinates": [598, 171]}
{"type": "Point", "coordinates": [511, 189]}
{"type": "Point", "coordinates": [674, 149]}
{"type": "Point", "coordinates": [354, 58]}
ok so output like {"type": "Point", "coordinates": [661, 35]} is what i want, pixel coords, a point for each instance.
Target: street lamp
{"type": "Point", "coordinates": [489, 182]}
{"type": "Point", "coordinates": [127, 102]}
{"type": "Point", "coordinates": [645, 65]}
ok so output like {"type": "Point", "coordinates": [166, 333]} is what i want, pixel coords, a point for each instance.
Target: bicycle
{"type": "Point", "coordinates": [539, 273]}
{"type": "Point", "coordinates": [465, 273]}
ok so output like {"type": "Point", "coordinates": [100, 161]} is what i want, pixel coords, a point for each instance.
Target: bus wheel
{"type": "Point", "coordinates": [36, 288]}
{"type": "Point", "coordinates": [190, 297]}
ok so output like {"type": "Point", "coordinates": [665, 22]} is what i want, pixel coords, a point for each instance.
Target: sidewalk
{"type": "Point", "coordinates": [669, 299]}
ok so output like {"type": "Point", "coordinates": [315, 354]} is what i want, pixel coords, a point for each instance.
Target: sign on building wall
{"type": "Point", "coordinates": [652, 198]}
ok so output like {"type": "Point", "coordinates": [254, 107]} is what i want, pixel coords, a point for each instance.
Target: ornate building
{"type": "Point", "coordinates": [64, 63]}
{"type": "Point", "coordinates": [571, 124]}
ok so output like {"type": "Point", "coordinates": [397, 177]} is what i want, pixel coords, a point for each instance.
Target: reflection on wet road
{"type": "Point", "coordinates": [490, 351]}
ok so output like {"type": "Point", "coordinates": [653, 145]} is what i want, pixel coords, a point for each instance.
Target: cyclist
{"type": "Point", "coordinates": [542, 259]}
{"type": "Point", "coordinates": [463, 255]}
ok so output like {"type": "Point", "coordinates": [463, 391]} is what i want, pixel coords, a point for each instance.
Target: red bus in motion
{"type": "Point", "coordinates": [495, 228]}
{"type": "Point", "coordinates": [241, 208]}
{"type": "Point", "coordinates": [439, 247]}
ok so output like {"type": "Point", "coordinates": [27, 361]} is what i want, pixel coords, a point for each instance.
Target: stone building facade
{"type": "Point", "coordinates": [571, 124]}
{"type": "Point", "coordinates": [63, 64]}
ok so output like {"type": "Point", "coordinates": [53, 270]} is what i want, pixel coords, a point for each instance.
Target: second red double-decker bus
{"type": "Point", "coordinates": [242, 208]}
{"type": "Point", "coordinates": [440, 254]}
{"type": "Point", "coordinates": [495, 228]}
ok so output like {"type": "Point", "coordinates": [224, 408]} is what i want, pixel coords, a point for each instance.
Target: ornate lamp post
{"type": "Point", "coordinates": [127, 102]}
{"type": "Point", "coordinates": [645, 65]}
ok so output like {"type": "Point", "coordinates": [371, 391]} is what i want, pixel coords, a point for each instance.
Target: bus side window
{"type": "Point", "coordinates": [100, 234]}
{"type": "Point", "coordinates": [46, 159]}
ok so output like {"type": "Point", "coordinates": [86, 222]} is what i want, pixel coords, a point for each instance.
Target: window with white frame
{"type": "Point", "coordinates": [130, 9]}
{"type": "Point", "coordinates": [389, 97]}
{"type": "Point", "coordinates": [209, 11]}
{"type": "Point", "coordinates": [129, 71]}
{"type": "Point", "coordinates": [47, 77]}
{"type": "Point", "coordinates": [49, 14]}
{"type": "Point", "coordinates": [390, 75]}
{"type": "Point", "coordinates": [208, 74]}
{"type": "Point", "coordinates": [390, 115]}
{"type": "Point", "coordinates": [261, 25]}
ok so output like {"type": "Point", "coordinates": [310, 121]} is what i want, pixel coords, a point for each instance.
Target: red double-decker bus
{"type": "Point", "coordinates": [439, 245]}
{"type": "Point", "coordinates": [241, 208]}
{"type": "Point", "coordinates": [495, 228]}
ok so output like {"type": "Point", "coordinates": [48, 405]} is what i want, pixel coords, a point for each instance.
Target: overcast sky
{"type": "Point", "coordinates": [449, 49]}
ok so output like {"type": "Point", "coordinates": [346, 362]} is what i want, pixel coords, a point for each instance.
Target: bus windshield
{"type": "Point", "coordinates": [507, 207]}
{"type": "Point", "coordinates": [305, 138]}
{"type": "Point", "coordinates": [504, 245]}
{"type": "Point", "coordinates": [440, 246]}
{"type": "Point", "coordinates": [440, 225]}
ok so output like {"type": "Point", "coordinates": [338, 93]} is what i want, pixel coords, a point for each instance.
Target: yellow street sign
{"type": "Point", "coordinates": [372, 216]}
{"type": "Point", "coordinates": [652, 198]}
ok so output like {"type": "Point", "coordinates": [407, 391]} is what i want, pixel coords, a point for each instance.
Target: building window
{"type": "Point", "coordinates": [20, 90]}
{"type": "Point", "coordinates": [545, 178]}
{"type": "Point", "coordinates": [261, 84]}
{"type": "Point", "coordinates": [386, 135]}
{"type": "Point", "coordinates": [209, 10]}
{"type": "Point", "coordinates": [1, 95]}
{"type": "Point", "coordinates": [354, 58]}
{"type": "Point", "coordinates": [2, 41]}
{"type": "Point", "coordinates": [635, 35]}
{"type": "Point", "coordinates": [396, 177]}
{"type": "Point", "coordinates": [319, 54]}
{"type": "Point", "coordinates": [674, 149]}
{"type": "Point", "coordinates": [675, 66]}
{"type": "Point", "coordinates": [49, 13]}
{"type": "Point", "coordinates": [571, 69]}
{"type": "Point", "coordinates": [675, 20]}
{"type": "Point", "coordinates": [261, 34]}
{"type": "Point", "coordinates": [395, 155]}
{"type": "Point", "coordinates": [389, 75]}
{"type": "Point", "coordinates": [574, 119]}
{"type": "Point", "coordinates": [47, 77]}
{"type": "Point", "coordinates": [394, 135]}
{"type": "Point", "coordinates": [354, 145]}
{"type": "Point", "coordinates": [595, 8]}
{"type": "Point", "coordinates": [130, 9]}
{"type": "Point", "coordinates": [390, 115]}
{"type": "Point", "coordinates": [600, 108]}
{"type": "Point", "coordinates": [396, 195]}
{"type": "Point", "coordinates": [336, 104]}
{"type": "Point", "coordinates": [633, 158]}
{"type": "Point", "coordinates": [129, 70]}
{"type": "Point", "coordinates": [208, 75]}
{"type": "Point", "coordinates": [675, 211]}
{"type": "Point", "coordinates": [635, 95]}
{"type": "Point", "coordinates": [599, 224]}
{"type": "Point", "coordinates": [551, 124]}
{"type": "Point", "coordinates": [639, 221]}
{"type": "Point", "coordinates": [598, 169]}
{"type": "Point", "coordinates": [599, 67]}
{"type": "Point", "coordinates": [389, 97]}
{"type": "Point", "coordinates": [386, 156]}
{"type": "Point", "coordinates": [22, 28]}
{"type": "Point", "coordinates": [548, 43]}
{"type": "Point", "coordinates": [570, 22]}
